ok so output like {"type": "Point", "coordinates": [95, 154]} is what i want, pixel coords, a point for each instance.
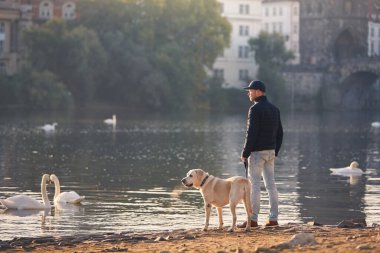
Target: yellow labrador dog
{"type": "Point", "coordinates": [220, 192]}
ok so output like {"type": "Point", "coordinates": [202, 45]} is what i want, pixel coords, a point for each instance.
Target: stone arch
{"type": "Point", "coordinates": [345, 46]}
{"type": "Point", "coordinates": [360, 90]}
{"type": "Point", "coordinates": [360, 65]}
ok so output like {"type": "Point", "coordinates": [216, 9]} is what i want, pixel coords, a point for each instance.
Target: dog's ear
{"type": "Point", "coordinates": [200, 173]}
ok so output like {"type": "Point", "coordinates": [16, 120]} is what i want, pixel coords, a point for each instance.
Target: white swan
{"type": "Point", "coordinates": [375, 124]}
{"type": "Point", "coordinates": [111, 121]}
{"type": "Point", "coordinates": [352, 170]}
{"type": "Point", "coordinates": [64, 197]}
{"type": "Point", "coordinates": [24, 202]}
{"type": "Point", "coordinates": [49, 127]}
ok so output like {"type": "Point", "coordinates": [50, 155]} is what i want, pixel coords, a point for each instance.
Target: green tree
{"type": "Point", "coordinates": [159, 48]}
{"type": "Point", "coordinates": [73, 55]}
{"type": "Point", "coordinates": [271, 55]}
{"type": "Point", "coordinates": [35, 90]}
{"type": "Point", "coordinates": [44, 91]}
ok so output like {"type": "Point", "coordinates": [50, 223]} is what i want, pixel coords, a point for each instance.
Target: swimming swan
{"type": "Point", "coordinates": [24, 202]}
{"type": "Point", "coordinates": [49, 127]}
{"type": "Point", "coordinates": [352, 170]}
{"type": "Point", "coordinates": [375, 124]}
{"type": "Point", "coordinates": [111, 121]}
{"type": "Point", "coordinates": [64, 197]}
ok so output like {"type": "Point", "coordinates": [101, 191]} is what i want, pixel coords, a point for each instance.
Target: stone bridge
{"type": "Point", "coordinates": [350, 67]}
{"type": "Point", "coordinates": [352, 84]}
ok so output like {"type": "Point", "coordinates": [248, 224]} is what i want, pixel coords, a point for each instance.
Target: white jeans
{"type": "Point", "coordinates": [261, 163]}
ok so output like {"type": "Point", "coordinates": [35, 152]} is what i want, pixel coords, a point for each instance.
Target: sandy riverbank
{"type": "Point", "coordinates": [275, 239]}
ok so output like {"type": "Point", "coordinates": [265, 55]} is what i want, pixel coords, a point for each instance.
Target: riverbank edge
{"type": "Point", "coordinates": [269, 236]}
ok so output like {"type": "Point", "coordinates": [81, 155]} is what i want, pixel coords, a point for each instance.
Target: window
{"type": "Point", "coordinates": [294, 47]}
{"type": "Point", "coordinates": [240, 51]}
{"type": "Point", "coordinates": [244, 30]}
{"type": "Point", "coordinates": [371, 48]}
{"type": "Point", "coordinates": [280, 11]}
{"type": "Point", "coordinates": [295, 28]}
{"type": "Point", "coordinates": [243, 51]}
{"type": "Point", "coordinates": [280, 27]}
{"type": "Point", "coordinates": [243, 74]}
{"type": "Point", "coordinates": [372, 32]}
{"type": "Point", "coordinates": [320, 8]}
{"type": "Point", "coordinates": [267, 11]}
{"type": "Point", "coordinates": [219, 73]}
{"type": "Point", "coordinates": [46, 9]}
{"type": "Point", "coordinates": [348, 6]}
{"type": "Point", "coordinates": [295, 11]}
{"type": "Point", "coordinates": [244, 9]}
{"type": "Point", "coordinates": [274, 25]}
{"type": "Point", "coordinates": [308, 8]}
{"type": "Point", "coordinates": [3, 68]}
{"type": "Point", "coordinates": [1, 46]}
{"type": "Point", "coordinates": [274, 11]}
{"type": "Point", "coordinates": [2, 27]}
{"type": "Point", "coordinates": [68, 10]}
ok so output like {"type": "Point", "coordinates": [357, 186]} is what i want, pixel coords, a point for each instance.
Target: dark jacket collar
{"type": "Point", "coordinates": [261, 98]}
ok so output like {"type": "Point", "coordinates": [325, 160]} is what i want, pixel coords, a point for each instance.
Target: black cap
{"type": "Point", "coordinates": [256, 85]}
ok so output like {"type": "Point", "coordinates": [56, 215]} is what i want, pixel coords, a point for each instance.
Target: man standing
{"type": "Point", "coordinates": [262, 143]}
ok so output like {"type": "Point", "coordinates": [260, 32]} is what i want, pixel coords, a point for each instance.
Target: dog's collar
{"type": "Point", "coordinates": [204, 180]}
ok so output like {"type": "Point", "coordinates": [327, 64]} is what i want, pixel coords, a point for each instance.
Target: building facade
{"type": "Point", "coordinates": [282, 16]}
{"type": "Point", "coordinates": [236, 66]}
{"type": "Point", "coordinates": [9, 20]}
{"type": "Point", "coordinates": [18, 15]}
{"type": "Point", "coordinates": [49, 9]}
{"type": "Point", "coordinates": [332, 31]}
{"type": "Point", "coordinates": [335, 71]}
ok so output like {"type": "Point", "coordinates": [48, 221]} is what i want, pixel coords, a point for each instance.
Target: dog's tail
{"type": "Point", "coordinates": [247, 198]}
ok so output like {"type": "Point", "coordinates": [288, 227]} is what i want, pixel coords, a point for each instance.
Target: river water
{"type": "Point", "coordinates": [130, 174]}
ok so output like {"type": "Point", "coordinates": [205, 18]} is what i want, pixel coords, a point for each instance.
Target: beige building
{"type": "Point", "coordinates": [282, 16]}
{"type": "Point", "coordinates": [236, 66]}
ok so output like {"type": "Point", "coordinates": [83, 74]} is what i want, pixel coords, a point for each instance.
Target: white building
{"type": "Point", "coordinates": [373, 28]}
{"type": "Point", "coordinates": [373, 38]}
{"type": "Point", "coordinates": [236, 66]}
{"type": "Point", "coordinates": [282, 16]}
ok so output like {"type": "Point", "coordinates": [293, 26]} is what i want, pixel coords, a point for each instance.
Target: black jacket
{"type": "Point", "coordinates": [264, 128]}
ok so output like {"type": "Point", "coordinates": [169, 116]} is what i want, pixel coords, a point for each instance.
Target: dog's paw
{"type": "Point", "coordinates": [247, 229]}
{"type": "Point", "coordinates": [204, 229]}
{"type": "Point", "coordinates": [231, 230]}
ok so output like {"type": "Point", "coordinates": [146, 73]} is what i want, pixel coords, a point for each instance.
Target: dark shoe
{"type": "Point", "coordinates": [271, 223]}
{"type": "Point", "coordinates": [244, 224]}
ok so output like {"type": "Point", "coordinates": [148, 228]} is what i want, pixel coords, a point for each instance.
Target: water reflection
{"type": "Point", "coordinates": [25, 213]}
{"type": "Point", "coordinates": [131, 174]}
{"type": "Point", "coordinates": [61, 209]}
